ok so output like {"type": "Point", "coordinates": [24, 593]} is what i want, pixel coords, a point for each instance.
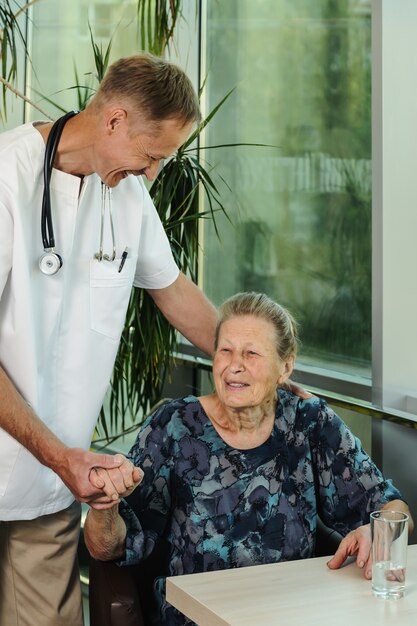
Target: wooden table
{"type": "Point", "coordinates": [297, 593]}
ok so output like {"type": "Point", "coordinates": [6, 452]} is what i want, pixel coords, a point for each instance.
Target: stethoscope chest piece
{"type": "Point", "coordinates": [50, 263]}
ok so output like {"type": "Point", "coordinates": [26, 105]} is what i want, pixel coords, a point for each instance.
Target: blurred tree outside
{"type": "Point", "coordinates": [302, 211]}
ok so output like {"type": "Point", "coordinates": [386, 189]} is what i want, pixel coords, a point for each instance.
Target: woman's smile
{"type": "Point", "coordinates": [236, 385]}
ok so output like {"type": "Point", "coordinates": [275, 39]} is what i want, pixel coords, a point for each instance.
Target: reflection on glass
{"type": "Point", "coordinates": [301, 209]}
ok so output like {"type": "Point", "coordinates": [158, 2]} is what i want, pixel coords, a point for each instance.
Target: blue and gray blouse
{"type": "Point", "coordinates": [219, 507]}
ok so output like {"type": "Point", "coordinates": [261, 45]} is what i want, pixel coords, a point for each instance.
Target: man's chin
{"type": "Point", "coordinates": [114, 179]}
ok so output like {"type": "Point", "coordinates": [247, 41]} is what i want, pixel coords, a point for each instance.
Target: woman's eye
{"type": "Point", "coordinates": [252, 353]}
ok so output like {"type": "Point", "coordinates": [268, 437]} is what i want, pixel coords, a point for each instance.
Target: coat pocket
{"type": "Point", "coordinates": [109, 295]}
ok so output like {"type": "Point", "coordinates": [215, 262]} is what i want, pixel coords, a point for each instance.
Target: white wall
{"type": "Point", "coordinates": [394, 204]}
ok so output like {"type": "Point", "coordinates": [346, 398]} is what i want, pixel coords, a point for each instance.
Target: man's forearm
{"type": "Point", "coordinates": [186, 307]}
{"type": "Point", "coordinates": [73, 465]}
{"type": "Point", "coordinates": [22, 423]}
{"type": "Point", "coordinates": [105, 534]}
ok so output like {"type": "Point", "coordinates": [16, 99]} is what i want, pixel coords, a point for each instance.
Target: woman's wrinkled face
{"type": "Point", "coordinates": [246, 365]}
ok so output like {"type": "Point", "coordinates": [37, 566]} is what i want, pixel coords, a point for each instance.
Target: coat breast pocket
{"type": "Point", "coordinates": [109, 295]}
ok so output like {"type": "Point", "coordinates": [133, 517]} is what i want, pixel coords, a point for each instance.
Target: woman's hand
{"type": "Point", "coordinates": [358, 544]}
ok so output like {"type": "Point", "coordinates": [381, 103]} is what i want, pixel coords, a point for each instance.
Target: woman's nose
{"type": "Point", "coordinates": [236, 364]}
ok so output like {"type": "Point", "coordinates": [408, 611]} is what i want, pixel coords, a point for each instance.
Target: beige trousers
{"type": "Point", "coordinates": [39, 577]}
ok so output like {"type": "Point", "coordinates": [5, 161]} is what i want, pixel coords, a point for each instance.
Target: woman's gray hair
{"type": "Point", "coordinates": [260, 305]}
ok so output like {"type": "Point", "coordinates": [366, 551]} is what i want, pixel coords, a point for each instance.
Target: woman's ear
{"type": "Point", "coordinates": [288, 367]}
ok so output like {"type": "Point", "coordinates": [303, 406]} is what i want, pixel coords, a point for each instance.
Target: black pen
{"type": "Point", "coordinates": [123, 259]}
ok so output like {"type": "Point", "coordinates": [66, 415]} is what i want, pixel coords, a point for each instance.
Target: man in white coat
{"type": "Point", "coordinates": [63, 300]}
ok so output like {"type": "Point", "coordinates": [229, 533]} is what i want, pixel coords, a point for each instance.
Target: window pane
{"type": "Point", "coordinates": [301, 210]}
{"type": "Point", "coordinates": [61, 46]}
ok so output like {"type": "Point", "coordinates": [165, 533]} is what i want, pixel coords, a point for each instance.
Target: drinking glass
{"type": "Point", "coordinates": [389, 531]}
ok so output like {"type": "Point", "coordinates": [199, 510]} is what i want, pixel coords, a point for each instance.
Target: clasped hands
{"type": "Point", "coordinates": [114, 483]}
{"type": "Point", "coordinates": [98, 479]}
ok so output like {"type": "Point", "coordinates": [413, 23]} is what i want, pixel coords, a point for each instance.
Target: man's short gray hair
{"type": "Point", "coordinates": [156, 88]}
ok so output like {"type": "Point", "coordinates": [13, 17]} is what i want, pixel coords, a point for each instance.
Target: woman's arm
{"type": "Point", "coordinates": [402, 507]}
{"type": "Point", "coordinates": [350, 487]}
{"type": "Point", "coordinates": [105, 534]}
{"type": "Point", "coordinates": [104, 529]}
{"type": "Point", "coordinates": [349, 484]}
{"type": "Point", "coordinates": [128, 532]}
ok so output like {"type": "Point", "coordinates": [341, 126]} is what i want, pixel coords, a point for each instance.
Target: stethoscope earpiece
{"type": "Point", "coordinates": [50, 263]}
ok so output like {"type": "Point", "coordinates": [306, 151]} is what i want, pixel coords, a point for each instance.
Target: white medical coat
{"type": "Point", "coordinates": [59, 334]}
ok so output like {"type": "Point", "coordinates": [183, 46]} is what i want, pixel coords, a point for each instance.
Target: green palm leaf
{"type": "Point", "coordinates": [10, 38]}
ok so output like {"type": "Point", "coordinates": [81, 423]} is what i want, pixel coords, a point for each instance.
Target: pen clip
{"type": "Point", "coordinates": [123, 259]}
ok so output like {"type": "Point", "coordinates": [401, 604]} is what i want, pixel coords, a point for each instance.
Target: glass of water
{"type": "Point", "coordinates": [389, 530]}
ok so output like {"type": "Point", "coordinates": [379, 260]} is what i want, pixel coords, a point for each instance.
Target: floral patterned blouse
{"type": "Point", "coordinates": [220, 507]}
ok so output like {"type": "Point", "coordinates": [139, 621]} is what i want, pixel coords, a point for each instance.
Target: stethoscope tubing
{"type": "Point", "coordinates": [50, 261]}
{"type": "Point", "coordinates": [47, 229]}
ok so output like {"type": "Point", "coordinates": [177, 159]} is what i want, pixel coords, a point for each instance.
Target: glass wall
{"type": "Point", "coordinates": [61, 50]}
{"type": "Point", "coordinates": [301, 207]}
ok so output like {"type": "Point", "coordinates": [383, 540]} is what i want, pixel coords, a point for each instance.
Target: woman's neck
{"type": "Point", "coordinates": [240, 427]}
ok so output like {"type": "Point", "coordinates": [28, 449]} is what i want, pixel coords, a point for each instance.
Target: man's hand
{"type": "Point", "coordinates": [119, 482]}
{"type": "Point", "coordinates": [289, 385]}
{"type": "Point", "coordinates": [357, 543]}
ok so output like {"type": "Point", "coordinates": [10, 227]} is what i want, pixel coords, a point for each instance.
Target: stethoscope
{"type": "Point", "coordinates": [50, 261]}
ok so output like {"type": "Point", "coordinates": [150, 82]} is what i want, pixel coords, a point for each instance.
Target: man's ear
{"type": "Point", "coordinates": [288, 367]}
{"type": "Point", "coordinates": [115, 117]}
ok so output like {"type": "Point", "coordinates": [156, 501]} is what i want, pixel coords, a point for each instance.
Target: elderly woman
{"type": "Point", "coordinates": [239, 477]}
